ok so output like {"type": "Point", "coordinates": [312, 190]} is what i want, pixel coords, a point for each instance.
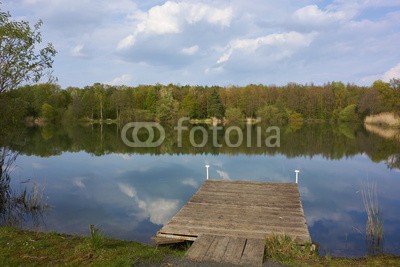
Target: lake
{"type": "Point", "coordinates": [90, 176]}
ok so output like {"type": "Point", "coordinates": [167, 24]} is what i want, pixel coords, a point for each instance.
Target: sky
{"type": "Point", "coordinates": [208, 42]}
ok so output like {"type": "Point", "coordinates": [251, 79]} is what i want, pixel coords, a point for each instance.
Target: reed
{"type": "Point", "coordinates": [17, 207]}
{"type": "Point", "coordinates": [384, 119]}
{"type": "Point", "coordinates": [96, 237]}
{"type": "Point", "coordinates": [374, 227]}
{"type": "Point", "coordinates": [34, 200]}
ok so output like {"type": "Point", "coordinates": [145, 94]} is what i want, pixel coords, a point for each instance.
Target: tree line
{"type": "Point", "coordinates": [166, 103]}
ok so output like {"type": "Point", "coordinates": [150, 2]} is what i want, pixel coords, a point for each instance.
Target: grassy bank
{"type": "Point", "coordinates": [285, 251]}
{"type": "Point", "coordinates": [22, 248]}
{"type": "Point", "coordinates": [19, 247]}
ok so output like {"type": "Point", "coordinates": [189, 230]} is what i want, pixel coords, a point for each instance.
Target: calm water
{"type": "Point", "coordinates": [91, 177]}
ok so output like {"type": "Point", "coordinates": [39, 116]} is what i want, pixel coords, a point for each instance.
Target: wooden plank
{"type": "Point", "coordinates": [258, 193]}
{"type": "Point", "coordinates": [200, 247]}
{"type": "Point", "coordinates": [179, 231]}
{"type": "Point", "coordinates": [251, 220]}
{"type": "Point", "coordinates": [249, 196]}
{"type": "Point", "coordinates": [234, 250]}
{"type": "Point", "coordinates": [292, 198]}
{"type": "Point", "coordinates": [240, 224]}
{"type": "Point", "coordinates": [234, 185]}
{"type": "Point", "coordinates": [176, 237]}
{"type": "Point", "coordinates": [246, 183]}
{"type": "Point", "coordinates": [246, 202]}
{"type": "Point", "coordinates": [215, 207]}
{"type": "Point", "coordinates": [246, 187]}
{"type": "Point", "coordinates": [301, 235]}
{"type": "Point", "coordinates": [234, 210]}
{"type": "Point", "coordinates": [241, 214]}
{"type": "Point", "coordinates": [217, 249]}
{"type": "Point", "coordinates": [187, 229]}
{"type": "Point", "coordinates": [160, 240]}
{"type": "Point", "coordinates": [253, 253]}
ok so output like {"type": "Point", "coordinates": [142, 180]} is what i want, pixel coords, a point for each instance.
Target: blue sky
{"type": "Point", "coordinates": [222, 42]}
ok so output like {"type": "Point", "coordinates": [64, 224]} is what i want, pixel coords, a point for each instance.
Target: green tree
{"type": "Point", "coordinates": [75, 109]}
{"type": "Point", "coordinates": [100, 98]}
{"type": "Point", "coordinates": [294, 117]}
{"type": "Point", "coordinates": [48, 112]}
{"type": "Point", "coordinates": [151, 100]}
{"type": "Point", "coordinates": [20, 59]}
{"type": "Point", "coordinates": [190, 104]}
{"type": "Point", "coordinates": [386, 94]}
{"type": "Point", "coordinates": [349, 113]}
{"type": "Point", "coordinates": [341, 93]}
{"type": "Point", "coordinates": [370, 103]}
{"type": "Point", "coordinates": [118, 101]}
{"type": "Point", "coordinates": [215, 107]}
{"type": "Point", "coordinates": [234, 115]}
{"type": "Point", "coordinates": [89, 103]}
{"type": "Point", "coordinates": [272, 114]}
{"type": "Point", "coordinates": [167, 106]}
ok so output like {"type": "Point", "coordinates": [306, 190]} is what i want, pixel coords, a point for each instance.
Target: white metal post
{"type": "Point", "coordinates": [297, 176]}
{"type": "Point", "coordinates": [207, 166]}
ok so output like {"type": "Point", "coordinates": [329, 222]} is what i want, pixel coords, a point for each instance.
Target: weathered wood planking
{"type": "Point", "coordinates": [228, 250]}
{"type": "Point", "coordinates": [244, 209]}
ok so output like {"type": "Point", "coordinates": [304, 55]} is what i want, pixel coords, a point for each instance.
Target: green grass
{"type": "Point", "coordinates": [27, 248]}
{"type": "Point", "coordinates": [284, 250]}
{"type": "Point", "coordinates": [18, 247]}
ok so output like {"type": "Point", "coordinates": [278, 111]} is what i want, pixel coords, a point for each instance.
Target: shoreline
{"type": "Point", "coordinates": [24, 247]}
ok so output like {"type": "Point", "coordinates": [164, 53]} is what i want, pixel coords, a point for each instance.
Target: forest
{"type": "Point", "coordinates": [334, 101]}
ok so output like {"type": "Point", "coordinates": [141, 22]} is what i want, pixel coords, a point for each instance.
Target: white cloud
{"type": "Point", "coordinates": [286, 43]}
{"type": "Point", "coordinates": [190, 50]}
{"type": "Point", "coordinates": [171, 17]}
{"type": "Point", "coordinates": [127, 190]}
{"type": "Point", "coordinates": [214, 70]}
{"type": "Point", "coordinates": [363, 4]}
{"type": "Point", "coordinates": [125, 156]}
{"type": "Point", "coordinates": [159, 211]}
{"type": "Point", "coordinates": [121, 80]}
{"type": "Point", "coordinates": [162, 19]}
{"type": "Point", "coordinates": [128, 41]}
{"type": "Point", "coordinates": [223, 175]}
{"type": "Point", "coordinates": [392, 73]}
{"type": "Point", "coordinates": [190, 182]}
{"type": "Point", "coordinates": [78, 181]}
{"type": "Point", "coordinates": [313, 15]}
{"type": "Point", "coordinates": [77, 51]}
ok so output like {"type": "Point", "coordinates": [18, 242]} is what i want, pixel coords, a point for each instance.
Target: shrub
{"type": "Point", "coordinates": [234, 115]}
{"type": "Point", "coordinates": [271, 114]}
{"type": "Point", "coordinates": [349, 113]}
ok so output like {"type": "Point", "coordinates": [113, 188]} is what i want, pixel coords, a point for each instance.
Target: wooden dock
{"type": "Point", "coordinates": [230, 220]}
